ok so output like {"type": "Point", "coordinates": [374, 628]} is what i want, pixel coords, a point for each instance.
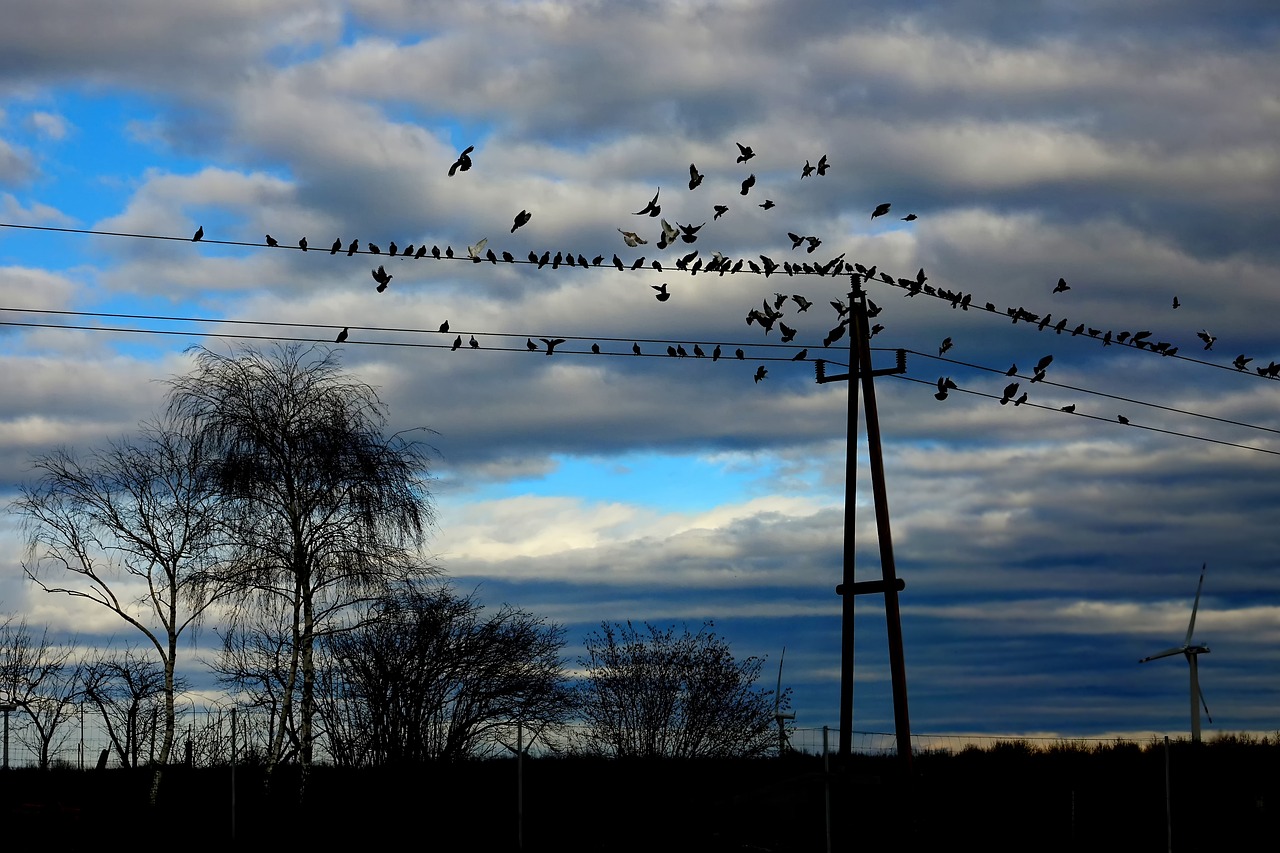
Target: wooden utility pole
{"type": "Point", "coordinates": [889, 585]}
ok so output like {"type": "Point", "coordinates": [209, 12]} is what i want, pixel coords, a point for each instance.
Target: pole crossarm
{"type": "Point", "coordinates": [820, 369]}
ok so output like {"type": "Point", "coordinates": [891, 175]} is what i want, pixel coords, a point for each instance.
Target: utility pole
{"type": "Point", "coordinates": [890, 584]}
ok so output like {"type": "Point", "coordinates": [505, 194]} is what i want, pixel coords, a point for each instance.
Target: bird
{"type": "Point", "coordinates": [721, 210]}
{"type": "Point", "coordinates": [748, 184]}
{"type": "Point", "coordinates": [946, 345]}
{"type": "Point", "coordinates": [689, 233]}
{"type": "Point", "coordinates": [1241, 362]}
{"type": "Point", "coordinates": [1022, 399]}
{"type": "Point", "coordinates": [1069, 409]}
{"type": "Point", "coordinates": [1012, 371]}
{"type": "Point", "coordinates": [1043, 364]}
{"type": "Point", "coordinates": [635, 349]}
{"type": "Point", "coordinates": [595, 348]}
{"type": "Point", "coordinates": [681, 351]}
{"type": "Point", "coordinates": [695, 177]}
{"type": "Point", "coordinates": [806, 171]}
{"type": "Point", "coordinates": [302, 244]}
{"type": "Point", "coordinates": [353, 248]}
{"type": "Point", "coordinates": [522, 218]}
{"type": "Point", "coordinates": [944, 384]}
{"type": "Point", "coordinates": [761, 373]}
{"type": "Point", "coordinates": [802, 303]}
{"type": "Point", "coordinates": [767, 204]}
{"type": "Point", "coordinates": [1009, 391]}
{"type": "Point", "coordinates": [337, 244]}
{"type": "Point", "coordinates": [662, 295]}
{"type": "Point", "coordinates": [1061, 286]}
{"type": "Point", "coordinates": [530, 345]}
{"type": "Point", "coordinates": [652, 208]}
{"type": "Point", "coordinates": [669, 234]}
{"type": "Point", "coordinates": [1208, 339]}
{"type": "Point", "coordinates": [910, 217]}
{"type": "Point", "coordinates": [796, 239]}
{"type": "Point", "coordinates": [199, 235]}
{"type": "Point", "coordinates": [473, 252]}
{"type": "Point", "coordinates": [800, 356]}
{"type": "Point", "coordinates": [823, 166]}
{"type": "Point", "coordinates": [632, 239]}
{"type": "Point", "coordinates": [463, 162]}
{"type": "Point", "coordinates": [1122, 419]}
{"type": "Point", "coordinates": [788, 333]}
{"type": "Point", "coordinates": [744, 152]}
{"type": "Point", "coordinates": [1176, 303]}
{"type": "Point", "coordinates": [457, 342]}
{"type": "Point", "coordinates": [342, 336]}
{"type": "Point", "coordinates": [444, 327]}
{"type": "Point", "coordinates": [435, 252]}
{"type": "Point", "coordinates": [715, 353]}
{"type": "Point", "coordinates": [391, 248]}
{"type": "Point", "coordinates": [814, 243]}
{"type": "Point", "coordinates": [474, 343]}
{"type": "Point", "coordinates": [271, 241]}
{"type": "Point", "coordinates": [739, 354]}
{"type": "Point", "coordinates": [373, 249]}
{"type": "Point", "coordinates": [671, 351]}
{"type": "Point", "coordinates": [382, 277]}
{"type": "Point", "coordinates": [881, 209]}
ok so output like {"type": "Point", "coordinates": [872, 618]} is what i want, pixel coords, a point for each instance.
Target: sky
{"type": "Point", "coordinates": [1129, 149]}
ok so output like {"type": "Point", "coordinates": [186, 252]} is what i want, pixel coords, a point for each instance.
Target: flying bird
{"type": "Point", "coordinates": [199, 235]}
{"type": "Point", "coordinates": [744, 152]}
{"type": "Point", "coordinates": [910, 217]}
{"type": "Point", "coordinates": [767, 204]}
{"type": "Point", "coordinates": [271, 241]}
{"type": "Point", "coordinates": [522, 219]}
{"type": "Point", "coordinates": [662, 295]}
{"type": "Point", "coordinates": [1208, 339]}
{"type": "Point", "coordinates": [1176, 303]}
{"type": "Point", "coordinates": [748, 184]}
{"type": "Point", "coordinates": [806, 171]}
{"type": "Point", "coordinates": [1061, 286]}
{"type": "Point", "coordinates": [632, 239]}
{"type": "Point", "coordinates": [761, 373]}
{"type": "Point", "coordinates": [382, 277]}
{"type": "Point", "coordinates": [652, 208]}
{"type": "Point", "coordinates": [463, 162]}
{"type": "Point", "coordinates": [946, 345]}
{"type": "Point", "coordinates": [473, 252]}
{"type": "Point", "coordinates": [1009, 391]}
{"type": "Point", "coordinates": [689, 233]}
{"type": "Point", "coordinates": [823, 165]}
{"type": "Point", "coordinates": [695, 177]}
{"type": "Point", "coordinates": [721, 210]}
{"type": "Point", "coordinates": [342, 336]}
{"type": "Point", "coordinates": [881, 209]}
{"type": "Point", "coordinates": [944, 385]}
{"type": "Point", "coordinates": [669, 234]}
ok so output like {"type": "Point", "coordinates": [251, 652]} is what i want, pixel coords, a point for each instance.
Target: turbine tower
{"type": "Point", "coordinates": [779, 717]}
{"type": "Point", "coordinates": [1191, 652]}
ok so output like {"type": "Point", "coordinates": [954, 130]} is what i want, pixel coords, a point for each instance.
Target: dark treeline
{"type": "Point", "coordinates": [1224, 795]}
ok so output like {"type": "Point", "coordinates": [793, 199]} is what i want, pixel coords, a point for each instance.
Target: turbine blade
{"type": "Point", "coordinates": [1164, 654]}
{"type": "Point", "coordinates": [777, 694]}
{"type": "Point", "coordinates": [1192, 626]}
{"type": "Point", "coordinates": [1205, 704]}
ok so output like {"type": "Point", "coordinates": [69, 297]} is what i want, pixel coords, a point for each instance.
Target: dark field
{"type": "Point", "coordinates": [1225, 795]}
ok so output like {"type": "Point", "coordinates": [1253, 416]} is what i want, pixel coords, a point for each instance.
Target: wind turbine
{"type": "Point", "coordinates": [778, 716]}
{"type": "Point", "coordinates": [1191, 652]}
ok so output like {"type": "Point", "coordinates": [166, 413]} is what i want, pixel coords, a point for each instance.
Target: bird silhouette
{"type": "Point", "coordinates": [944, 385]}
{"type": "Point", "coordinates": [761, 373]}
{"type": "Point", "coordinates": [1012, 371]}
{"type": "Point", "coordinates": [1208, 339]}
{"type": "Point", "coordinates": [689, 233]}
{"type": "Point", "coordinates": [806, 171]}
{"type": "Point", "coordinates": [1061, 286]}
{"type": "Point", "coordinates": [1009, 391]}
{"type": "Point", "coordinates": [342, 336]}
{"type": "Point", "coordinates": [721, 210]}
{"type": "Point", "coordinates": [382, 277]}
{"type": "Point", "coordinates": [801, 303]}
{"type": "Point", "coordinates": [1176, 303]}
{"type": "Point", "coordinates": [444, 327]}
{"type": "Point", "coordinates": [271, 241]}
{"type": "Point", "coordinates": [463, 163]}
{"type": "Point", "coordinates": [373, 248]}
{"type": "Point", "coordinates": [823, 165]}
{"type": "Point", "coordinates": [1241, 362]}
{"type": "Point", "coordinates": [671, 351]}
{"type": "Point", "coordinates": [302, 244]}
{"type": "Point", "coordinates": [353, 248]}
{"type": "Point", "coordinates": [1122, 419]}
{"type": "Point", "coordinates": [744, 152]}
{"type": "Point", "coordinates": [910, 217]}
{"type": "Point", "coordinates": [681, 351]}
{"type": "Point", "coordinates": [474, 343]}
{"type": "Point", "coordinates": [552, 344]}
{"type": "Point", "coordinates": [337, 244]}
{"type": "Point", "coordinates": [662, 295]}
{"type": "Point", "coordinates": [767, 204]}
{"type": "Point", "coordinates": [522, 219]}
{"type": "Point", "coordinates": [435, 252]}
{"type": "Point", "coordinates": [800, 356]}
{"type": "Point", "coordinates": [695, 178]}
{"type": "Point", "coordinates": [739, 354]}
{"type": "Point", "coordinates": [473, 252]}
{"type": "Point", "coordinates": [530, 345]}
{"type": "Point", "coordinates": [748, 184]}
{"type": "Point", "coordinates": [881, 209]}
{"type": "Point", "coordinates": [669, 234]}
{"type": "Point", "coordinates": [392, 248]}
{"type": "Point", "coordinates": [199, 235]}
{"type": "Point", "coordinates": [635, 349]}
{"type": "Point", "coordinates": [715, 353]}
{"type": "Point", "coordinates": [946, 345]}
{"type": "Point", "coordinates": [457, 342]}
{"type": "Point", "coordinates": [652, 208]}
{"type": "Point", "coordinates": [595, 348]}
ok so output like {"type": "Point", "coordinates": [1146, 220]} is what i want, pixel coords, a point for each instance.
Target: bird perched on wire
{"type": "Point", "coordinates": [744, 152]}
{"type": "Point", "coordinates": [342, 336]}
{"type": "Point", "coordinates": [522, 219]}
{"type": "Point", "coordinates": [271, 241]}
{"type": "Point", "coordinates": [463, 163]}
{"type": "Point", "coordinates": [337, 245]}
{"type": "Point", "coordinates": [474, 252]}
{"type": "Point", "coordinates": [302, 244]}
{"type": "Point", "coordinates": [353, 248]}
{"type": "Point", "coordinates": [1009, 391]}
{"type": "Point", "coordinates": [474, 343]}
{"type": "Point", "coordinates": [198, 236]}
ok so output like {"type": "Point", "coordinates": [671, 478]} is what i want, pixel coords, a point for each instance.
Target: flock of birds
{"type": "Point", "coordinates": [771, 313]}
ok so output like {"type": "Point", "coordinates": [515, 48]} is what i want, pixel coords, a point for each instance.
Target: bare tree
{"type": "Point", "coordinates": [128, 689]}
{"type": "Point", "coordinates": [325, 511]}
{"type": "Point", "coordinates": [43, 680]}
{"type": "Point", "coordinates": [426, 675]}
{"type": "Point", "coordinates": [659, 693]}
{"type": "Point", "coordinates": [132, 529]}
{"type": "Point", "coordinates": [258, 664]}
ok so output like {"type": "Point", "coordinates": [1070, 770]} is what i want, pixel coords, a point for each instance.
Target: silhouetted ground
{"type": "Point", "coordinates": [1225, 795]}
